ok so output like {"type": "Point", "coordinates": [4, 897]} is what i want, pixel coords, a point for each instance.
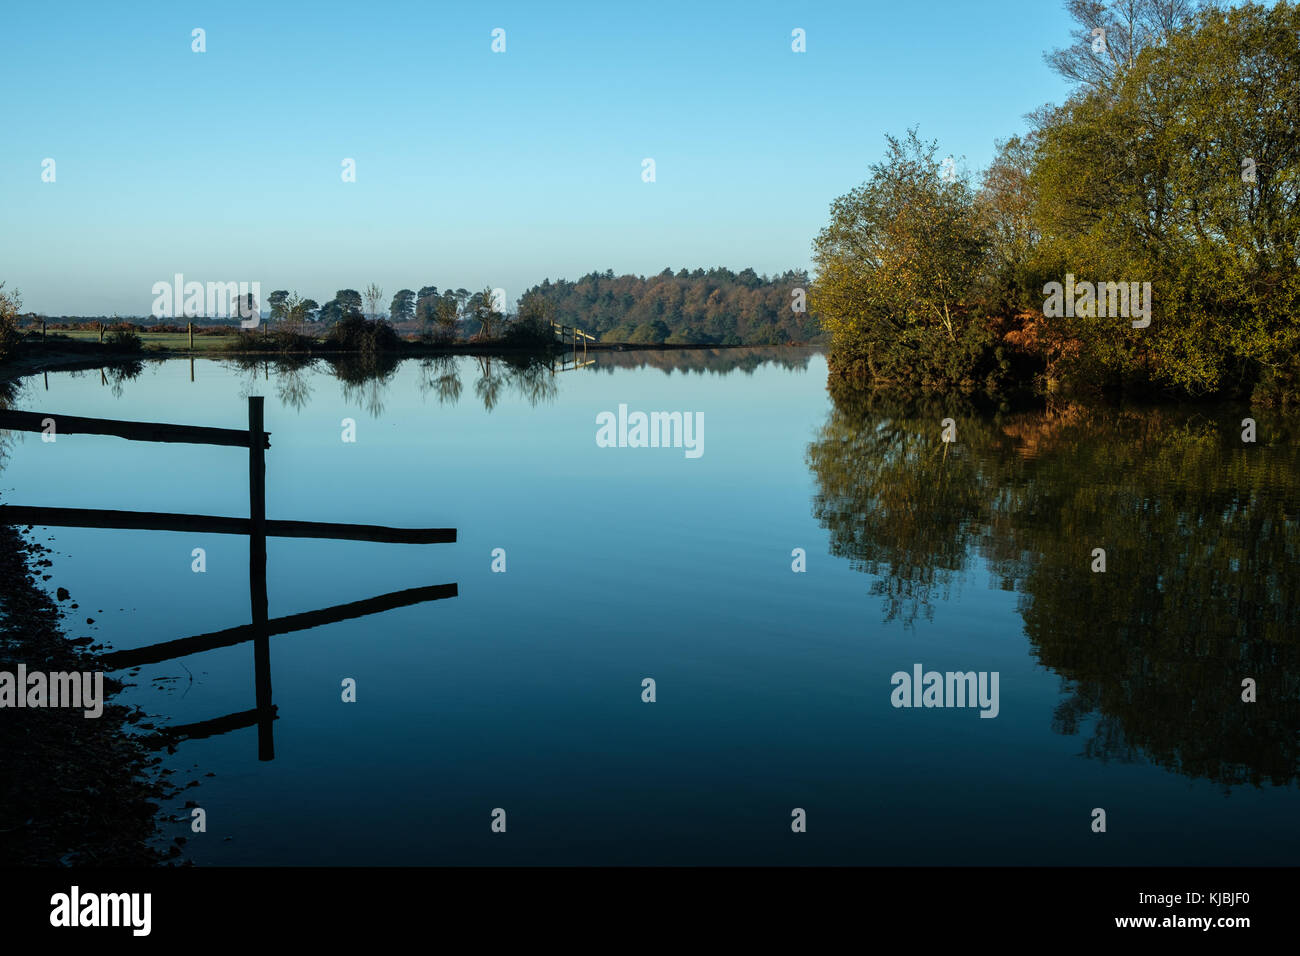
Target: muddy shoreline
{"type": "Point", "coordinates": [75, 790]}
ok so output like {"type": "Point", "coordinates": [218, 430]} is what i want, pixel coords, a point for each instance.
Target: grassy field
{"type": "Point", "coordinates": [179, 341]}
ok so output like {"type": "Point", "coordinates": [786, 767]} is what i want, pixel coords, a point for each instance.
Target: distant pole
{"type": "Point", "coordinates": [191, 336]}
{"type": "Point", "coordinates": [257, 576]}
{"type": "Point", "coordinates": [101, 333]}
{"type": "Point", "coordinates": [42, 330]}
{"type": "Point", "coordinates": [191, 368]}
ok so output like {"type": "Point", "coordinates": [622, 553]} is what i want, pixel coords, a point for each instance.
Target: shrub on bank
{"type": "Point", "coordinates": [10, 302]}
{"type": "Point", "coordinates": [356, 334]}
{"type": "Point", "coordinates": [124, 340]}
{"type": "Point", "coordinates": [529, 332]}
{"type": "Point", "coordinates": [271, 340]}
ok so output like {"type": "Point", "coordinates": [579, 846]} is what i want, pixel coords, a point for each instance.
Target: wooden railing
{"type": "Point", "coordinates": [564, 331]}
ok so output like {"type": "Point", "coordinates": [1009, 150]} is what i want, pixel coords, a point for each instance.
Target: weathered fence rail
{"type": "Point", "coordinates": [256, 526]}
{"type": "Point", "coordinates": [216, 524]}
{"type": "Point", "coordinates": [133, 431]}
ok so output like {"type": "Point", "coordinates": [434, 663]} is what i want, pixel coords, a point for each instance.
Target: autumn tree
{"type": "Point", "coordinates": [1186, 174]}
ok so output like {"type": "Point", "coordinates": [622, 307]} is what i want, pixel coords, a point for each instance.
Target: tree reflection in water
{"type": "Point", "coordinates": [1201, 535]}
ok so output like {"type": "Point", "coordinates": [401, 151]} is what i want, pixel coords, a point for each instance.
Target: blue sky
{"type": "Point", "coordinates": [473, 168]}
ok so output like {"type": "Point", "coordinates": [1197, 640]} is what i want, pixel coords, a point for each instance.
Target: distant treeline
{"type": "Point", "coordinates": [709, 307]}
{"type": "Point", "coordinates": [704, 307]}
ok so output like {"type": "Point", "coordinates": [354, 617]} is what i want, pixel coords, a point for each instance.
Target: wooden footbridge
{"type": "Point", "coordinates": [564, 332]}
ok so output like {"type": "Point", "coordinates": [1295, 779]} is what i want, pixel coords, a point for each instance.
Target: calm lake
{"type": "Point", "coordinates": [1120, 690]}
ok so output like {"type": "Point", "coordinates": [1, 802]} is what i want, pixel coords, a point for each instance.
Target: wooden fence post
{"type": "Point", "coordinates": [257, 577]}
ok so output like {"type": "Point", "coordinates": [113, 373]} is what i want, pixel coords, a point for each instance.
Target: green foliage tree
{"type": "Point", "coordinates": [532, 326]}
{"type": "Point", "coordinates": [447, 314]}
{"type": "Point", "coordinates": [346, 302]}
{"type": "Point", "coordinates": [295, 312]}
{"type": "Point", "coordinates": [1175, 163]}
{"type": "Point", "coordinates": [276, 301]}
{"type": "Point", "coordinates": [1146, 181]}
{"type": "Point", "coordinates": [426, 303]}
{"type": "Point", "coordinates": [402, 308]}
{"type": "Point", "coordinates": [898, 272]}
{"type": "Point", "coordinates": [483, 307]}
{"type": "Point", "coordinates": [349, 301]}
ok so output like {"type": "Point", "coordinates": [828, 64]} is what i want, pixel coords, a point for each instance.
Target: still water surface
{"type": "Point", "coordinates": [1118, 690]}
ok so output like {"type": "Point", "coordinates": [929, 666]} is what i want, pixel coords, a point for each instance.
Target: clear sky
{"type": "Point", "coordinates": [473, 168]}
